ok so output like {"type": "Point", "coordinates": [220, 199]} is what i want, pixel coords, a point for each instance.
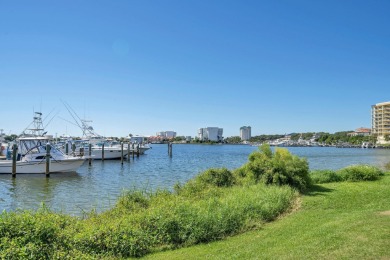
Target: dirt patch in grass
{"type": "Point", "coordinates": [385, 213]}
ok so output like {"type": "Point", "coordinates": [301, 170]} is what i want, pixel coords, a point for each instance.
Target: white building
{"type": "Point", "coordinates": [245, 133]}
{"type": "Point", "coordinates": [210, 134]}
{"type": "Point", "coordinates": [166, 134]}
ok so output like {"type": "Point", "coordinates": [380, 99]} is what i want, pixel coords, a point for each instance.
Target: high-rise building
{"type": "Point", "coordinates": [166, 134]}
{"type": "Point", "coordinates": [210, 134]}
{"type": "Point", "coordinates": [381, 120]}
{"type": "Point", "coordinates": [245, 133]}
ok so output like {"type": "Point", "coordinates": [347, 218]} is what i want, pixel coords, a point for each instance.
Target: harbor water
{"type": "Point", "coordinates": [97, 187]}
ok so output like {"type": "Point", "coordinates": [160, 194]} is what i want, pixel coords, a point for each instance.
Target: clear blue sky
{"type": "Point", "coordinates": [146, 66]}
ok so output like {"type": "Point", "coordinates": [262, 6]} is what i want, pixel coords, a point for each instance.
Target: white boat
{"type": "Point", "coordinates": [31, 157]}
{"type": "Point", "coordinates": [139, 143]}
{"type": "Point", "coordinates": [111, 151]}
{"type": "Point", "coordinates": [142, 148]}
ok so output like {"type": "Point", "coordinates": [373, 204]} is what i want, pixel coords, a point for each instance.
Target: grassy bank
{"type": "Point", "coordinates": [344, 220]}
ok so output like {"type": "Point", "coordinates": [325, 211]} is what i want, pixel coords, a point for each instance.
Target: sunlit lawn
{"type": "Point", "coordinates": [349, 220]}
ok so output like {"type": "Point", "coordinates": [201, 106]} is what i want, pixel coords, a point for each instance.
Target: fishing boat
{"type": "Point", "coordinates": [31, 149]}
{"type": "Point", "coordinates": [31, 157]}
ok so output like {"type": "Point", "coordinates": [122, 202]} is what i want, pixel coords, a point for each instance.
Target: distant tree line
{"type": "Point", "coordinates": [343, 137]}
{"type": "Point", "coordinates": [321, 137]}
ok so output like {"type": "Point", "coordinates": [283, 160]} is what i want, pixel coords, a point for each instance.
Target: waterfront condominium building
{"type": "Point", "coordinates": [166, 134]}
{"type": "Point", "coordinates": [210, 134]}
{"type": "Point", "coordinates": [245, 133]}
{"type": "Point", "coordinates": [381, 120]}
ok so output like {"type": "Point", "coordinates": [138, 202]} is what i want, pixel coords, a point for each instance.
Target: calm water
{"type": "Point", "coordinates": [98, 186]}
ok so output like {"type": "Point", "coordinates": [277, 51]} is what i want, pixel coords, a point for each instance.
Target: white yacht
{"type": "Point", "coordinates": [32, 151]}
{"type": "Point", "coordinates": [31, 157]}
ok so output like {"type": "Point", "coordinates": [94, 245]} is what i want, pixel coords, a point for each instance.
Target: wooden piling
{"type": "Point", "coordinates": [67, 148]}
{"type": "Point", "coordinates": [138, 149]}
{"type": "Point", "coordinates": [170, 149]}
{"type": "Point", "coordinates": [103, 152]}
{"type": "Point", "coordinates": [121, 152]}
{"type": "Point", "coordinates": [48, 160]}
{"type": "Point", "coordinates": [133, 151]}
{"type": "Point", "coordinates": [90, 154]}
{"type": "Point", "coordinates": [128, 152]}
{"type": "Point", "coordinates": [14, 157]}
{"type": "Point", "coordinates": [74, 149]}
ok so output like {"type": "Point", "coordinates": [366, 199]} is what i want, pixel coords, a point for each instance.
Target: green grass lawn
{"type": "Point", "coordinates": [346, 220]}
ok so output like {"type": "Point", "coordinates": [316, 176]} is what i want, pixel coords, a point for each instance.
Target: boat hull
{"type": "Point", "coordinates": [68, 165]}
{"type": "Point", "coordinates": [109, 154]}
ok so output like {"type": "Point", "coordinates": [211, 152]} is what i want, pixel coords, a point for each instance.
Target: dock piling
{"type": "Point", "coordinates": [170, 149]}
{"type": "Point", "coordinates": [48, 160]}
{"type": "Point", "coordinates": [121, 152]}
{"type": "Point", "coordinates": [103, 152]}
{"type": "Point", "coordinates": [14, 155]}
{"type": "Point", "coordinates": [74, 149]}
{"type": "Point", "coordinates": [90, 154]}
{"type": "Point", "coordinates": [128, 152]}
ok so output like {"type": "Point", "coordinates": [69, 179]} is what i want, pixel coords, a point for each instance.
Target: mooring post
{"type": "Point", "coordinates": [138, 149]}
{"type": "Point", "coordinates": [103, 152]}
{"type": "Point", "coordinates": [14, 155]}
{"type": "Point", "coordinates": [90, 154]}
{"type": "Point", "coordinates": [170, 149]}
{"type": "Point", "coordinates": [74, 149]}
{"type": "Point", "coordinates": [128, 151]}
{"type": "Point", "coordinates": [121, 152]}
{"type": "Point", "coordinates": [133, 150]}
{"type": "Point", "coordinates": [67, 148]}
{"type": "Point", "coordinates": [48, 160]}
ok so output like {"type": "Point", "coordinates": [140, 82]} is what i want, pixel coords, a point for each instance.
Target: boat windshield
{"type": "Point", "coordinates": [32, 146]}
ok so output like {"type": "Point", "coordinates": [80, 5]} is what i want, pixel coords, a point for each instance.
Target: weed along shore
{"type": "Point", "coordinates": [270, 207]}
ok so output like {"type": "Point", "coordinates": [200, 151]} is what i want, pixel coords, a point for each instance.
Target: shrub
{"type": "Point", "coordinates": [182, 221]}
{"type": "Point", "coordinates": [202, 185]}
{"type": "Point", "coordinates": [280, 168]}
{"type": "Point", "coordinates": [217, 177]}
{"type": "Point", "coordinates": [33, 235]}
{"type": "Point", "coordinates": [133, 200]}
{"type": "Point", "coordinates": [360, 173]}
{"type": "Point", "coordinates": [387, 166]}
{"type": "Point", "coordinates": [324, 176]}
{"type": "Point", "coordinates": [112, 238]}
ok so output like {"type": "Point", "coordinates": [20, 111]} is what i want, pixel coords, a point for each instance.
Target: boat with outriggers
{"type": "Point", "coordinates": [101, 147]}
{"type": "Point", "coordinates": [28, 153]}
{"type": "Point", "coordinates": [31, 153]}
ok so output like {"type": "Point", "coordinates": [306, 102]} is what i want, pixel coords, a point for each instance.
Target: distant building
{"type": "Point", "coordinates": [380, 116]}
{"type": "Point", "coordinates": [245, 133]}
{"type": "Point", "coordinates": [210, 134]}
{"type": "Point", "coordinates": [166, 134]}
{"type": "Point", "coordinates": [362, 131]}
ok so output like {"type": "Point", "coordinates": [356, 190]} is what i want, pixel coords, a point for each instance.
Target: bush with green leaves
{"type": "Point", "coordinates": [280, 168]}
{"type": "Point", "coordinates": [349, 173]}
{"type": "Point", "coordinates": [360, 173]}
